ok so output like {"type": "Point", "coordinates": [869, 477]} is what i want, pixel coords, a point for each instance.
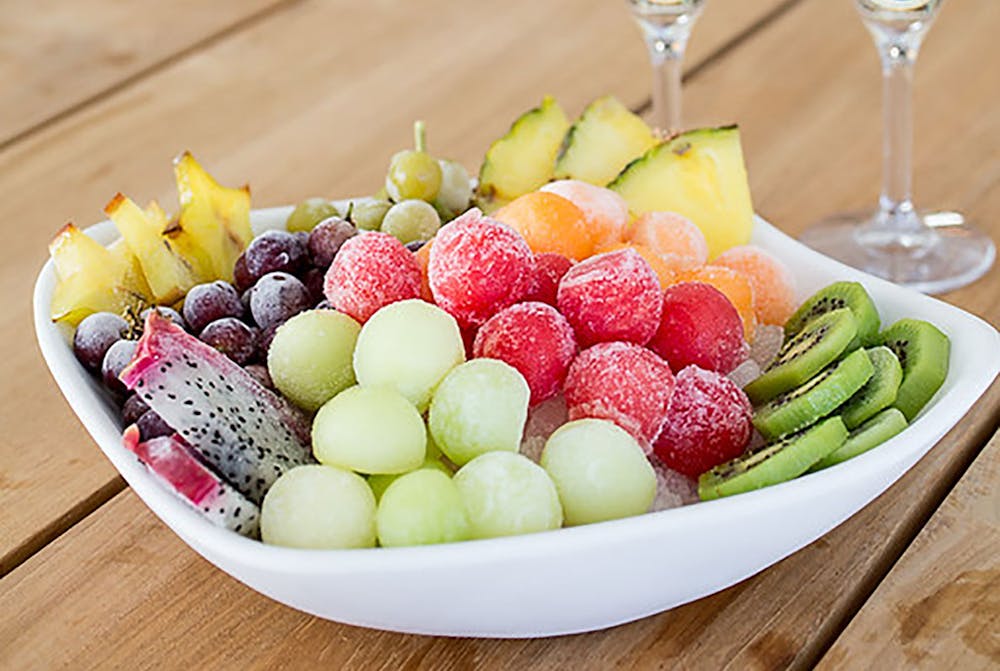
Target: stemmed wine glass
{"type": "Point", "coordinates": [928, 251]}
{"type": "Point", "coordinates": [666, 26]}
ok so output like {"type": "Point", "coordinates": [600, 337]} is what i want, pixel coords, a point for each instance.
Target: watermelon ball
{"type": "Point", "coordinates": [369, 272]}
{"type": "Point", "coordinates": [549, 270]}
{"type": "Point", "coordinates": [708, 422]}
{"type": "Point", "coordinates": [624, 383]}
{"type": "Point", "coordinates": [613, 296]}
{"type": "Point", "coordinates": [533, 338]}
{"type": "Point", "coordinates": [478, 266]}
{"type": "Point", "coordinates": [699, 327]}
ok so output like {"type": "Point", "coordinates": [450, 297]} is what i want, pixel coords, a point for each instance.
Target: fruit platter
{"type": "Point", "coordinates": [588, 386]}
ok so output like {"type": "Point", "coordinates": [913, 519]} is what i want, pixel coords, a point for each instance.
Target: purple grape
{"type": "Point", "coordinates": [152, 425]}
{"type": "Point", "coordinates": [164, 311]}
{"type": "Point", "coordinates": [326, 239]}
{"type": "Point", "coordinates": [313, 279]}
{"type": "Point", "coordinates": [264, 339]}
{"type": "Point", "coordinates": [231, 337]}
{"type": "Point", "coordinates": [95, 335]}
{"type": "Point", "coordinates": [241, 276]}
{"type": "Point", "coordinates": [260, 374]}
{"type": "Point", "coordinates": [207, 302]}
{"type": "Point", "coordinates": [415, 245]}
{"type": "Point", "coordinates": [117, 357]}
{"type": "Point", "coordinates": [276, 298]}
{"type": "Point", "coordinates": [273, 251]}
{"type": "Point", "coordinates": [133, 408]}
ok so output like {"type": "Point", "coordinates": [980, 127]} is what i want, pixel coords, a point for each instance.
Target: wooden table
{"type": "Point", "coordinates": [306, 97]}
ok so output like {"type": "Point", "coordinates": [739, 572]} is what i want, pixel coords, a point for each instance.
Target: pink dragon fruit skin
{"type": "Point", "coordinates": [245, 432]}
{"type": "Point", "coordinates": [171, 460]}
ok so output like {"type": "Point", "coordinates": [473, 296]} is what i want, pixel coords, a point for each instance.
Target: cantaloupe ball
{"type": "Point", "coordinates": [549, 223]}
{"type": "Point", "coordinates": [606, 212]}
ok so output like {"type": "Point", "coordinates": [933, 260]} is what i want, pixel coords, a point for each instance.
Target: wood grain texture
{"type": "Point", "coordinates": [56, 55]}
{"type": "Point", "coordinates": [940, 605]}
{"type": "Point", "coordinates": [296, 113]}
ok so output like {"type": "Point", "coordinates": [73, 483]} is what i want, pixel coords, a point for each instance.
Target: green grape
{"type": "Point", "coordinates": [506, 494]}
{"type": "Point", "coordinates": [421, 508]}
{"type": "Point", "coordinates": [411, 220]}
{"type": "Point", "coordinates": [367, 214]}
{"type": "Point", "coordinates": [369, 430]}
{"type": "Point", "coordinates": [413, 173]}
{"type": "Point", "coordinates": [319, 507]}
{"type": "Point", "coordinates": [479, 407]}
{"type": "Point", "coordinates": [310, 212]}
{"type": "Point", "coordinates": [456, 190]}
{"type": "Point", "coordinates": [600, 471]}
{"type": "Point", "coordinates": [311, 357]}
{"type": "Point", "coordinates": [408, 346]}
{"type": "Point", "coordinates": [379, 483]}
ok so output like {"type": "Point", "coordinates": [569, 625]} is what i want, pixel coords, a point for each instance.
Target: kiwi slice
{"type": "Point", "coordinates": [837, 296]}
{"type": "Point", "coordinates": [784, 460]}
{"type": "Point", "coordinates": [880, 390]}
{"type": "Point", "coordinates": [875, 431]}
{"type": "Point", "coordinates": [796, 409]}
{"type": "Point", "coordinates": [819, 342]}
{"type": "Point", "coordinates": [923, 353]}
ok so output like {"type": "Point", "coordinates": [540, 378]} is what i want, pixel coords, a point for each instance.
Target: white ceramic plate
{"type": "Point", "coordinates": [570, 580]}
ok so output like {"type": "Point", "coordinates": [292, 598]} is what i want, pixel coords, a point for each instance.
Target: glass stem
{"type": "Point", "coordinates": [896, 202]}
{"type": "Point", "coordinates": [666, 56]}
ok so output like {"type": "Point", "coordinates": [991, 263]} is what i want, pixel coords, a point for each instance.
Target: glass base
{"type": "Point", "coordinates": [943, 254]}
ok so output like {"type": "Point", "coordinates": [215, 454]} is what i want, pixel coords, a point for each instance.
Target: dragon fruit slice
{"type": "Point", "coordinates": [171, 460]}
{"type": "Point", "coordinates": [244, 431]}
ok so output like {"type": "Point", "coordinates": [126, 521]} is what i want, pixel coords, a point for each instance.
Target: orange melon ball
{"type": "Point", "coordinates": [675, 238]}
{"type": "Point", "coordinates": [664, 273]}
{"type": "Point", "coordinates": [605, 211]}
{"type": "Point", "coordinates": [772, 282]}
{"type": "Point", "coordinates": [734, 285]}
{"type": "Point", "coordinates": [423, 257]}
{"type": "Point", "coordinates": [549, 223]}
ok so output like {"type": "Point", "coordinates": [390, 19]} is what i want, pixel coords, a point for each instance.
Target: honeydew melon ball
{"type": "Point", "coordinates": [506, 494]}
{"type": "Point", "coordinates": [421, 508]}
{"type": "Point", "coordinates": [319, 507]}
{"type": "Point", "coordinates": [380, 483]}
{"type": "Point", "coordinates": [311, 357]}
{"type": "Point", "coordinates": [409, 346]}
{"type": "Point", "coordinates": [599, 470]}
{"type": "Point", "coordinates": [369, 430]}
{"type": "Point", "coordinates": [480, 406]}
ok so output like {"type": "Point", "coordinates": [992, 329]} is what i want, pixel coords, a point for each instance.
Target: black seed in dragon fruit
{"type": "Point", "coordinates": [176, 465]}
{"type": "Point", "coordinates": [244, 431]}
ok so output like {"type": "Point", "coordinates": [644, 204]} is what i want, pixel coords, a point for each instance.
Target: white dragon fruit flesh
{"type": "Point", "coordinates": [173, 462]}
{"type": "Point", "coordinates": [244, 431]}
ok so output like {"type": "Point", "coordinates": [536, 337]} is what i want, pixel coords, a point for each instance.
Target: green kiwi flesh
{"type": "Point", "coordinates": [879, 392]}
{"type": "Point", "coordinates": [837, 296]}
{"type": "Point", "coordinates": [802, 406]}
{"type": "Point", "coordinates": [923, 353]}
{"type": "Point", "coordinates": [875, 431]}
{"type": "Point", "coordinates": [819, 343]}
{"type": "Point", "coordinates": [775, 463]}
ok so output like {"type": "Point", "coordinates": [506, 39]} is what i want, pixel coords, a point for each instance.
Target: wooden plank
{"type": "Point", "coordinates": [784, 617]}
{"type": "Point", "coordinates": [291, 132]}
{"type": "Point", "coordinates": [58, 55]}
{"type": "Point", "coordinates": [940, 605]}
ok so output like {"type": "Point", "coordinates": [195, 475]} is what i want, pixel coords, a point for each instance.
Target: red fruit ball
{"type": "Point", "coordinates": [533, 338]}
{"type": "Point", "coordinates": [369, 272]}
{"type": "Point", "coordinates": [624, 383]}
{"type": "Point", "coordinates": [699, 327]}
{"type": "Point", "coordinates": [613, 296]}
{"type": "Point", "coordinates": [549, 270]}
{"type": "Point", "coordinates": [477, 267]}
{"type": "Point", "coordinates": [708, 422]}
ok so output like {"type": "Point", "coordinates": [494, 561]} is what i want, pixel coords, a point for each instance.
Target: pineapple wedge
{"type": "Point", "coordinates": [602, 142]}
{"type": "Point", "coordinates": [700, 175]}
{"type": "Point", "coordinates": [215, 218]}
{"type": "Point", "coordinates": [523, 159]}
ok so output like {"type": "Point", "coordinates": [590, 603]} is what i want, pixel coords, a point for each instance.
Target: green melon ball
{"type": "Point", "coordinates": [600, 471]}
{"type": "Point", "coordinates": [369, 430]}
{"type": "Point", "coordinates": [310, 212]}
{"type": "Point", "coordinates": [379, 483]}
{"type": "Point", "coordinates": [311, 357]}
{"type": "Point", "coordinates": [479, 407]}
{"type": "Point", "coordinates": [409, 346]}
{"type": "Point", "coordinates": [507, 494]}
{"type": "Point", "coordinates": [319, 507]}
{"type": "Point", "coordinates": [421, 508]}
{"type": "Point", "coordinates": [411, 220]}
